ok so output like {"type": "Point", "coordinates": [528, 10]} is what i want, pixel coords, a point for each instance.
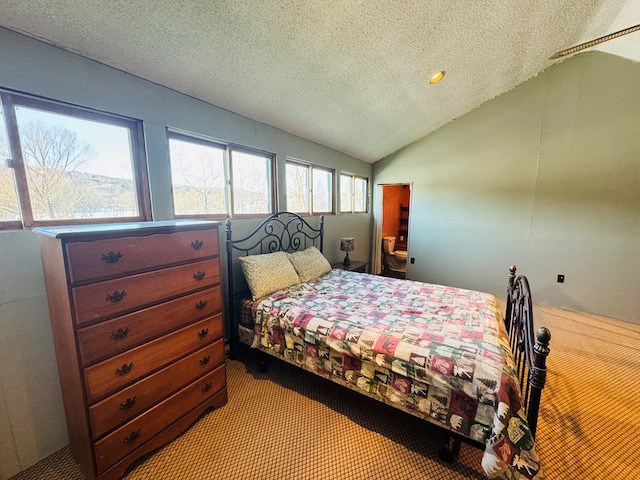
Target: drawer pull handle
{"type": "Point", "coordinates": [197, 245]}
{"type": "Point", "coordinates": [130, 402]}
{"type": "Point", "coordinates": [207, 387]}
{"type": "Point", "coordinates": [205, 360]}
{"type": "Point", "coordinates": [198, 276]}
{"type": "Point", "coordinates": [203, 333]}
{"type": "Point", "coordinates": [124, 369]}
{"type": "Point", "coordinates": [133, 436]}
{"type": "Point", "coordinates": [111, 257]}
{"type": "Point", "coordinates": [120, 334]}
{"type": "Point", "coordinates": [201, 304]}
{"type": "Point", "coordinates": [116, 296]}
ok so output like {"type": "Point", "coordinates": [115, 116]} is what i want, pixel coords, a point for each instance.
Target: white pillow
{"type": "Point", "coordinates": [268, 273]}
{"type": "Point", "coordinates": [309, 263]}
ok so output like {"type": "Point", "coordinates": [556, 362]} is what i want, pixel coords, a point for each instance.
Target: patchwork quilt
{"type": "Point", "coordinates": [440, 353]}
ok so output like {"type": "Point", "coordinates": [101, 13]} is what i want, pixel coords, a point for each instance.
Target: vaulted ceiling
{"type": "Point", "coordinates": [351, 75]}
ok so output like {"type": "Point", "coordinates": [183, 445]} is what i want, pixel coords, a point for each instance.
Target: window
{"type": "Point", "coordinates": [353, 194]}
{"type": "Point", "coordinates": [212, 179]}
{"type": "Point", "coordinates": [309, 188]}
{"type": "Point", "coordinates": [66, 165]}
{"type": "Point", "coordinates": [9, 206]}
{"type": "Point", "coordinates": [251, 182]}
{"type": "Point", "coordinates": [197, 173]}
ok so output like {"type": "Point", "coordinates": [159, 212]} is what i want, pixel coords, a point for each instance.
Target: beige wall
{"type": "Point", "coordinates": [32, 423]}
{"type": "Point", "coordinates": [547, 177]}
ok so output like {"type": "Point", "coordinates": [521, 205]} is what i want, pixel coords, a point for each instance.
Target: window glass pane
{"type": "Point", "coordinates": [322, 190]}
{"type": "Point", "coordinates": [251, 179]}
{"type": "Point", "coordinates": [9, 210]}
{"type": "Point", "coordinates": [197, 178]}
{"type": "Point", "coordinates": [76, 168]}
{"type": "Point", "coordinates": [345, 193]}
{"type": "Point", "coordinates": [297, 188]}
{"type": "Point", "coordinates": [360, 195]}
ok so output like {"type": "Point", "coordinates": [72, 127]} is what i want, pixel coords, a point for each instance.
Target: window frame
{"type": "Point", "coordinates": [12, 99]}
{"type": "Point", "coordinates": [273, 183]}
{"type": "Point", "coordinates": [310, 168]}
{"type": "Point", "coordinates": [352, 195]}
{"type": "Point", "coordinates": [184, 137]}
{"type": "Point", "coordinates": [228, 149]}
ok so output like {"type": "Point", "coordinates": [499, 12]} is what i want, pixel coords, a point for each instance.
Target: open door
{"type": "Point", "coordinates": [391, 222]}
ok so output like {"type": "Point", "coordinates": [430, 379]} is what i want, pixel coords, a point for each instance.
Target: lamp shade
{"type": "Point", "coordinates": [347, 244]}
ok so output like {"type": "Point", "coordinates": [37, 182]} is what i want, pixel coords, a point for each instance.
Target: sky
{"type": "Point", "coordinates": [110, 143]}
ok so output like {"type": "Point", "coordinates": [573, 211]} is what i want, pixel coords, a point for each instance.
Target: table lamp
{"type": "Point", "coordinates": [346, 245]}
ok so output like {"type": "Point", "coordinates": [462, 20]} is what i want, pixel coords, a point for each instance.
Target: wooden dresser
{"type": "Point", "coordinates": [136, 314]}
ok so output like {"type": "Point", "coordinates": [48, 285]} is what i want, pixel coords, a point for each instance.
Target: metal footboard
{"type": "Point", "coordinates": [529, 352]}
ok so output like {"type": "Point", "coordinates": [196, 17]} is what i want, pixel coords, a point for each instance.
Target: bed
{"type": "Point", "coordinates": [443, 354]}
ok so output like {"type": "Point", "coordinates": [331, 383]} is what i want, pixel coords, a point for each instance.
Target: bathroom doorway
{"type": "Point", "coordinates": [394, 229]}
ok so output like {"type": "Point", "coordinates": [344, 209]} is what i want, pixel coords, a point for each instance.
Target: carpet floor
{"type": "Point", "coordinates": [289, 424]}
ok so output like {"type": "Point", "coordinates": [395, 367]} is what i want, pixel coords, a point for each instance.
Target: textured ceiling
{"type": "Point", "coordinates": [348, 74]}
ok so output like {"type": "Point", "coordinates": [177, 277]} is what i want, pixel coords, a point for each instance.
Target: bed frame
{"type": "Point", "coordinates": [280, 232]}
{"type": "Point", "coordinates": [287, 231]}
{"type": "Point", "coordinates": [530, 357]}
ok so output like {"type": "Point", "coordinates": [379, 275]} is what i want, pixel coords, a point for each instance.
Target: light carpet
{"type": "Point", "coordinates": [289, 424]}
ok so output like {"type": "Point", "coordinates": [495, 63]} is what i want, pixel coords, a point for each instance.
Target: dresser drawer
{"type": "Point", "coordinates": [121, 333]}
{"type": "Point", "coordinates": [137, 318]}
{"type": "Point", "coordinates": [116, 372]}
{"type": "Point", "coordinates": [118, 256]}
{"type": "Point", "coordinates": [103, 299]}
{"type": "Point", "coordinates": [129, 402]}
{"type": "Point", "coordinates": [130, 436]}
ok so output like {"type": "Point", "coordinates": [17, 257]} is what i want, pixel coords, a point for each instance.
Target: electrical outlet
{"type": "Point", "coordinates": [413, 260]}
{"type": "Point", "coordinates": [560, 278]}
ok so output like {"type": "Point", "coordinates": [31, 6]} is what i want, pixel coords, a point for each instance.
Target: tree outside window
{"type": "Point", "coordinates": [251, 183]}
{"type": "Point", "coordinates": [212, 179]}
{"type": "Point", "coordinates": [298, 188]}
{"type": "Point", "coordinates": [309, 188]}
{"type": "Point", "coordinates": [353, 194]}
{"type": "Point", "coordinates": [322, 190]}
{"type": "Point", "coordinates": [197, 173]}
{"type": "Point", "coordinates": [62, 164]}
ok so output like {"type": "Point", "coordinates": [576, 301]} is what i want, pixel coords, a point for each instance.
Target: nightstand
{"type": "Point", "coordinates": [354, 266]}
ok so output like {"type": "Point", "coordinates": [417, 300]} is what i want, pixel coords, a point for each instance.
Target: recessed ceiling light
{"type": "Point", "coordinates": [437, 76]}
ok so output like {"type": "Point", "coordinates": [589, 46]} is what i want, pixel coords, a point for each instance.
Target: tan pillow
{"type": "Point", "coordinates": [268, 273]}
{"type": "Point", "coordinates": [309, 263]}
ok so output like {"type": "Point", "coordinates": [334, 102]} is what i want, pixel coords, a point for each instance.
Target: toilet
{"type": "Point", "coordinates": [396, 260]}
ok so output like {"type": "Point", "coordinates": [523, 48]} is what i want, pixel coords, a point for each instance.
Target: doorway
{"type": "Point", "coordinates": [394, 229]}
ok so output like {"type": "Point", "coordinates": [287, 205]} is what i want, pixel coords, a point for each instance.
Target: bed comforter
{"type": "Point", "coordinates": [440, 353]}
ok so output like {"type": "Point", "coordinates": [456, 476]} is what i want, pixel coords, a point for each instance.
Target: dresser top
{"type": "Point", "coordinates": [133, 228]}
